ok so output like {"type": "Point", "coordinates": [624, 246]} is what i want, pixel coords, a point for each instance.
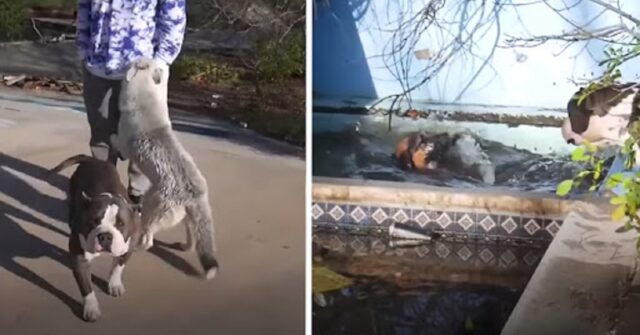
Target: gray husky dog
{"type": "Point", "coordinates": [178, 192]}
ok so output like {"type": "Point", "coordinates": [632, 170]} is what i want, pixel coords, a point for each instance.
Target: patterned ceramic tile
{"type": "Point", "coordinates": [486, 255]}
{"type": "Point", "coordinates": [421, 218]}
{"type": "Point", "coordinates": [487, 222]}
{"type": "Point", "coordinates": [459, 226]}
{"type": "Point", "coordinates": [509, 223]}
{"type": "Point", "coordinates": [464, 253]}
{"type": "Point", "coordinates": [358, 245]}
{"type": "Point", "coordinates": [380, 215]}
{"type": "Point", "coordinates": [443, 253]}
{"type": "Point", "coordinates": [442, 250]}
{"type": "Point", "coordinates": [316, 211]}
{"type": "Point", "coordinates": [532, 226]}
{"type": "Point", "coordinates": [358, 214]}
{"type": "Point", "coordinates": [336, 212]}
{"type": "Point", "coordinates": [444, 220]}
{"type": "Point", "coordinates": [508, 257]}
{"type": "Point", "coordinates": [532, 257]}
{"type": "Point", "coordinates": [465, 220]}
{"type": "Point", "coordinates": [422, 251]}
{"type": "Point", "coordinates": [552, 227]}
{"type": "Point", "coordinates": [378, 247]}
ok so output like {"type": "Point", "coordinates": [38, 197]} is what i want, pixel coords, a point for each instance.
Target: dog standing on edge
{"type": "Point", "coordinates": [604, 116]}
{"type": "Point", "coordinates": [178, 190]}
{"type": "Point", "coordinates": [102, 220]}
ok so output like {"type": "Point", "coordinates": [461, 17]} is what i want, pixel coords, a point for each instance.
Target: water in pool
{"type": "Point", "coordinates": [378, 308]}
{"type": "Point", "coordinates": [364, 154]}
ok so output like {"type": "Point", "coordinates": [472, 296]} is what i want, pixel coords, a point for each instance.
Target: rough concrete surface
{"type": "Point", "coordinates": [577, 287]}
{"type": "Point", "coordinates": [258, 203]}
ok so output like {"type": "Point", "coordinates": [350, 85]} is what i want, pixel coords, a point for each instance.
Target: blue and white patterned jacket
{"type": "Point", "coordinates": [111, 34]}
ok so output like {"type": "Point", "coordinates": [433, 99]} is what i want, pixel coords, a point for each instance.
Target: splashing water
{"type": "Point", "coordinates": [351, 154]}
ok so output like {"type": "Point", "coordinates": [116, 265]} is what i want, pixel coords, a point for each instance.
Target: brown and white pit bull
{"type": "Point", "coordinates": [604, 116]}
{"type": "Point", "coordinates": [103, 221]}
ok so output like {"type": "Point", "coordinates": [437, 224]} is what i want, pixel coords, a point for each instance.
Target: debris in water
{"type": "Point", "coordinates": [405, 231]}
{"type": "Point", "coordinates": [12, 80]}
{"type": "Point", "coordinates": [325, 280]}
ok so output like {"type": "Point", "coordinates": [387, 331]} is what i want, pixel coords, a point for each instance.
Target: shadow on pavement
{"type": "Point", "coordinates": [161, 250]}
{"type": "Point", "coordinates": [16, 242]}
{"type": "Point", "coordinates": [12, 185]}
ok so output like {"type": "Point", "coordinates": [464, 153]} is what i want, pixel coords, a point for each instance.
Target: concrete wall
{"type": "Point", "coordinates": [350, 36]}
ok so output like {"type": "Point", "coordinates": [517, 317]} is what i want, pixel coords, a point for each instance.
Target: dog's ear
{"type": "Point", "coordinates": [131, 72]}
{"type": "Point", "coordinates": [157, 75]}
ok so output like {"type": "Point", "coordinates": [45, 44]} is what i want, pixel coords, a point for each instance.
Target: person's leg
{"type": "Point", "coordinates": [101, 103]}
{"type": "Point", "coordinates": [138, 183]}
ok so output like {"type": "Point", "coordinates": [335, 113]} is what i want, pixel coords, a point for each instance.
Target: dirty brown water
{"type": "Point", "coordinates": [362, 155]}
{"type": "Point", "coordinates": [394, 293]}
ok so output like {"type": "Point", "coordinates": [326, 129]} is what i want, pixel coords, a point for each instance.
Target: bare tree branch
{"type": "Point", "coordinates": [454, 38]}
{"type": "Point", "coordinates": [618, 11]}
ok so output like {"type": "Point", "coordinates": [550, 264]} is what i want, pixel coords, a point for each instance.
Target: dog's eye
{"type": "Point", "coordinates": [119, 224]}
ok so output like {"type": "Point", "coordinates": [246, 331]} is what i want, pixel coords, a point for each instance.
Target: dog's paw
{"type": "Point", "coordinates": [146, 242]}
{"type": "Point", "coordinates": [116, 289]}
{"type": "Point", "coordinates": [91, 309]}
{"type": "Point", "coordinates": [210, 266]}
{"type": "Point", "coordinates": [211, 273]}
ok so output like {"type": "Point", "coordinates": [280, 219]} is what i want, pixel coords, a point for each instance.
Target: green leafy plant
{"type": "Point", "coordinates": [614, 58]}
{"type": "Point", "coordinates": [279, 59]}
{"type": "Point", "coordinates": [11, 19]}
{"type": "Point", "coordinates": [206, 69]}
{"type": "Point", "coordinates": [587, 153]}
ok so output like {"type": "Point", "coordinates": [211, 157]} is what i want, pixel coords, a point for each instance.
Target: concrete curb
{"type": "Point", "coordinates": [577, 287]}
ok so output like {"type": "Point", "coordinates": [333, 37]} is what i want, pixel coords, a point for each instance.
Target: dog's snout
{"type": "Point", "coordinates": [105, 239]}
{"type": "Point", "coordinates": [571, 141]}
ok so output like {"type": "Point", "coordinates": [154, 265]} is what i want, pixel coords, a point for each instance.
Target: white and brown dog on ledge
{"type": "Point", "coordinates": [603, 117]}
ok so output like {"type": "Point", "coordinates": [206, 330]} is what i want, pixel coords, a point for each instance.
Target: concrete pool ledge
{"type": "Point", "coordinates": [579, 284]}
{"type": "Point", "coordinates": [420, 195]}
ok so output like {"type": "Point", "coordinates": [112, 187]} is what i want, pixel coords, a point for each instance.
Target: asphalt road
{"type": "Point", "coordinates": [259, 207]}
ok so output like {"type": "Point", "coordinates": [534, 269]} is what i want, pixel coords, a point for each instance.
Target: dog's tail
{"type": "Point", "coordinates": [77, 159]}
{"type": "Point", "coordinates": [201, 222]}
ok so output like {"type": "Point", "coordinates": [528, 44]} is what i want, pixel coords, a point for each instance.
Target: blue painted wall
{"type": "Point", "coordinates": [350, 36]}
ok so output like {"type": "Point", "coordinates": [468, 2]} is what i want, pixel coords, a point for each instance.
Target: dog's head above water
{"type": "Point", "coordinates": [603, 116]}
{"type": "Point", "coordinates": [110, 223]}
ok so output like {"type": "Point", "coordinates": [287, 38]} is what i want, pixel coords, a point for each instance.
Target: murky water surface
{"type": "Point", "coordinates": [378, 308]}
{"type": "Point", "coordinates": [361, 155]}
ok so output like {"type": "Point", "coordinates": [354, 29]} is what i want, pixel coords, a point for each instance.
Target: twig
{"type": "Point", "coordinates": [33, 24]}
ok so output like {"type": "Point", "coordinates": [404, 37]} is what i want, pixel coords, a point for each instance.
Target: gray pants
{"type": "Point", "coordinates": [101, 102]}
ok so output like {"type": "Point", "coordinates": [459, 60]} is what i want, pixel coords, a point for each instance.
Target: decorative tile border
{"type": "Point", "coordinates": [479, 254]}
{"type": "Point", "coordinates": [455, 225]}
